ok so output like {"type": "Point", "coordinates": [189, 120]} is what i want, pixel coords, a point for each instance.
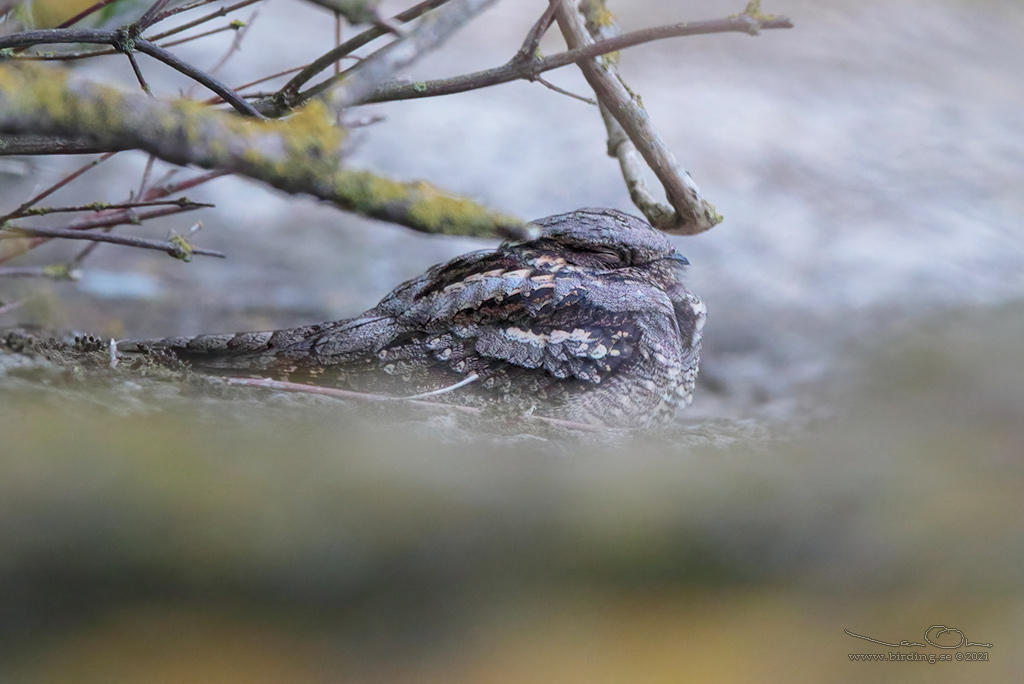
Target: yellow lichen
{"type": "Point", "coordinates": [441, 213]}
{"type": "Point", "coordinates": [310, 127]}
{"type": "Point", "coordinates": [368, 193]}
{"type": "Point", "coordinates": [596, 14]}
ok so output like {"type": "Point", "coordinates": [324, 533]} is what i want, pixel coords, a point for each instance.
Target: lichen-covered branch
{"type": "Point", "coordinates": [298, 155]}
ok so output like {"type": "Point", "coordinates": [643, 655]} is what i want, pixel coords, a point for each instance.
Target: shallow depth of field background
{"type": "Point", "coordinates": [853, 460]}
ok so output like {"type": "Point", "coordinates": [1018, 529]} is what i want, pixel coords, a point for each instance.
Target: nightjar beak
{"type": "Point", "coordinates": [677, 257]}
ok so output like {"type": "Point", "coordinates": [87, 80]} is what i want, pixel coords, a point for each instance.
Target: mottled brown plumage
{"type": "Point", "coordinates": [588, 322]}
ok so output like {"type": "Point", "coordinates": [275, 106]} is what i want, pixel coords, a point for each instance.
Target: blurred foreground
{"type": "Point", "coordinates": [162, 534]}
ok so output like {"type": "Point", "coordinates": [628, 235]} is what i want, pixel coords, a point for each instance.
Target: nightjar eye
{"type": "Point", "coordinates": [606, 257]}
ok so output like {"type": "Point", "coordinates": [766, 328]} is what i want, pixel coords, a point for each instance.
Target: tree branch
{"type": "Point", "coordinates": [515, 70]}
{"type": "Point", "coordinates": [123, 41]}
{"type": "Point", "coordinates": [107, 220]}
{"type": "Point", "coordinates": [291, 89]}
{"type": "Point", "coordinates": [96, 7]}
{"type": "Point", "coordinates": [300, 155]}
{"type": "Point", "coordinates": [54, 272]}
{"type": "Point", "coordinates": [223, 11]}
{"type": "Point", "coordinates": [24, 145]}
{"type": "Point", "coordinates": [692, 213]}
{"type": "Point", "coordinates": [175, 247]}
{"type": "Point", "coordinates": [182, 202]}
{"type": "Point", "coordinates": [528, 50]}
{"type": "Point", "coordinates": [433, 30]}
{"type": "Point", "coordinates": [32, 201]}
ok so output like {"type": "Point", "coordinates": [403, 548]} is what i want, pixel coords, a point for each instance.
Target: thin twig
{"type": "Point", "coordinates": [528, 51]}
{"type": "Point", "coordinates": [272, 77]}
{"type": "Point", "coordinates": [102, 206]}
{"type": "Point", "coordinates": [108, 220]}
{"type": "Point", "coordinates": [137, 29]}
{"type": "Point", "coordinates": [58, 36]}
{"type": "Point", "coordinates": [520, 70]}
{"type": "Point", "coordinates": [178, 249]}
{"type": "Point", "coordinates": [226, 93]}
{"type": "Point", "coordinates": [223, 11]}
{"type": "Point", "coordinates": [233, 26]}
{"type": "Point", "coordinates": [632, 166]}
{"type": "Point", "coordinates": [184, 7]}
{"type": "Point", "coordinates": [236, 42]}
{"type": "Point", "coordinates": [325, 61]}
{"type": "Point", "coordinates": [56, 272]}
{"type": "Point", "coordinates": [20, 145]}
{"type": "Point", "coordinates": [55, 187]}
{"type": "Point", "coordinates": [138, 73]}
{"type": "Point", "coordinates": [250, 96]}
{"type": "Point", "coordinates": [7, 308]}
{"type": "Point", "coordinates": [150, 16]}
{"type": "Point", "coordinates": [469, 379]}
{"type": "Point", "coordinates": [91, 247]}
{"type": "Point", "coordinates": [144, 181]}
{"type": "Point", "coordinates": [266, 383]}
{"type": "Point", "coordinates": [86, 12]}
{"type": "Point", "coordinates": [365, 77]}
{"type": "Point", "coordinates": [337, 40]}
{"type": "Point", "coordinates": [123, 42]}
{"type": "Point", "coordinates": [562, 91]}
{"type": "Point", "coordinates": [63, 56]}
{"type": "Point", "coordinates": [141, 193]}
{"type": "Point", "coordinates": [121, 217]}
{"type": "Point", "coordinates": [167, 189]}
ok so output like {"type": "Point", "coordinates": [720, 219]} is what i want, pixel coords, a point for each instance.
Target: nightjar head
{"type": "Point", "coordinates": [605, 238]}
